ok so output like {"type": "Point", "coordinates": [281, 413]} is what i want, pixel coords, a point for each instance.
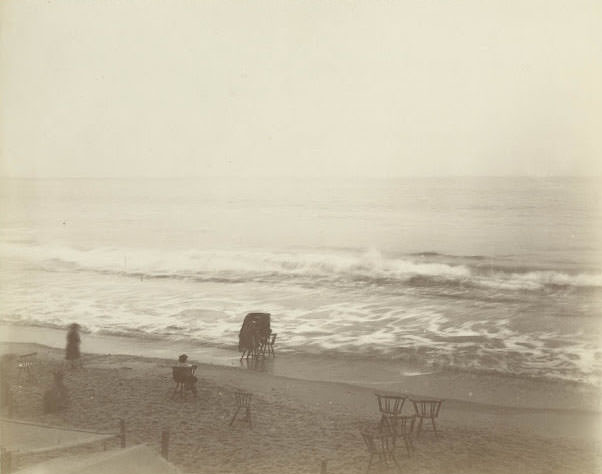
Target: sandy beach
{"type": "Point", "coordinates": [297, 424]}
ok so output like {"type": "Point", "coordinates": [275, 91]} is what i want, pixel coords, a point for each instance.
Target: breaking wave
{"type": "Point", "coordinates": [338, 267]}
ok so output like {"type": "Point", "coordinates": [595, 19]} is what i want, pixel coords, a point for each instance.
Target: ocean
{"type": "Point", "coordinates": [498, 275]}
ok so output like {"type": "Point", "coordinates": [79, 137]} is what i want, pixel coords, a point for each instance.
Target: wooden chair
{"type": "Point", "coordinates": [403, 427]}
{"type": "Point", "coordinates": [270, 344]}
{"type": "Point", "coordinates": [427, 409]}
{"type": "Point", "coordinates": [380, 442]}
{"type": "Point", "coordinates": [390, 406]}
{"type": "Point", "coordinates": [243, 400]}
{"type": "Point", "coordinates": [184, 378]}
{"type": "Point", "coordinates": [263, 346]}
{"type": "Point", "coordinates": [25, 368]}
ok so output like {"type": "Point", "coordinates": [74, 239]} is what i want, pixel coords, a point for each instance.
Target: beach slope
{"type": "Point", "coordinates": [297, 424]}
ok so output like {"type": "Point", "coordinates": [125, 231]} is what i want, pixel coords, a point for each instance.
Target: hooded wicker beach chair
{"type": "Point", "coordinates": [255, 335]}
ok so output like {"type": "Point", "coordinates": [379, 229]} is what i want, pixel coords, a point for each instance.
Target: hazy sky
{"type": "Point", "coordinates": [275, 87]}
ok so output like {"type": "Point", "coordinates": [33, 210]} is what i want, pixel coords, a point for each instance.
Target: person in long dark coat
{"type": "Point", "coordinates": [191, 380]}
{"type": "Point", "coordinates": [72, 353]}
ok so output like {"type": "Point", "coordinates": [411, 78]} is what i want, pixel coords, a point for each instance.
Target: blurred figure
{"type": "Point", "coordinates": [190, 379]}
{"type": "Point", "coordinates": [72, 351]}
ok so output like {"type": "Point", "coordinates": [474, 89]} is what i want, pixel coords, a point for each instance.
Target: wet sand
{"type": "Point", "coordinates": [398, 376]}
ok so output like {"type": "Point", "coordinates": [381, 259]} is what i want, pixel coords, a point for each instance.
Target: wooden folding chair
{"type": "Point", "coordinates": [243, 400]}
{"type": "Point", "coordinates": [25, 368]}
{"type": "Point", "coordinates": [271, 341]}
{"type": "Point", "coordinates": [380, 442]}
{"type": "Point", "coordinates": [263, 345]}
{"type": "Point", "coordinates": [390, 406]}
{"type": "Point", "coordinates": [428, 409]}
{"type": "Point", "coordinates": [403, 427]}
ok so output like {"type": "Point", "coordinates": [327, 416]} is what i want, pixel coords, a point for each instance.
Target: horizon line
{"type": "Point", "coordinates": [350, 177]}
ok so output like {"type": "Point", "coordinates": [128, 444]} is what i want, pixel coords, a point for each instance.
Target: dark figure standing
{"type": "Point", "coordinates": [191, 380]}
{"type": "Point", "coordinates": [73, 340]}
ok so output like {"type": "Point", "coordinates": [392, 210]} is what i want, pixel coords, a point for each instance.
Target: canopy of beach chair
{"type": "Point", "coordinates": [255, 329]}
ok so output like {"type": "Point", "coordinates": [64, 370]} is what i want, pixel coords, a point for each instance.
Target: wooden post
{"type": "Point", "coordinates": [323, 467]}
{"type": "Point", "coordinates": [122, 432]}
{"type": "Point", "coordinates": [5, 461]}
{"type": "Point", "coordinates": [10, 404]}
{"type": "Point", "coordinates": [165, 444]}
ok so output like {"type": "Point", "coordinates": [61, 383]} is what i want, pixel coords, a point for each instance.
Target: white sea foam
{"type": "Point", "coordinates": [336, 267]}
{"type": "Point", "coordinates": [459, 282]}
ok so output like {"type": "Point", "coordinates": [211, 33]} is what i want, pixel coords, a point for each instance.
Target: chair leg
{"type": "Point", "coordinates": [191, 386]}
{"type": "Point", "coordinates": [408, 443]}
{"type": "Point", "coordinates": [434, 427]}
{"type": "Point", "coordinates": [369, 463]}
{"type": "Point", "coordinates": [234, 417]}
{"type": "Point", "coordinates": [419, 427]}
{"type": "Point", "coordinates": [382, 455]}
{"type": "Point", "coordinates": [249, 417]}
{"type": "Point", "coordinates": [395, 462]}
{"type": "Point", "coordinates": [384, 422]}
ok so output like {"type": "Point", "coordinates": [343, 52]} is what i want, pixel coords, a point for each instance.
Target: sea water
{"type": "Point", "coordinates": [472, 274]}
